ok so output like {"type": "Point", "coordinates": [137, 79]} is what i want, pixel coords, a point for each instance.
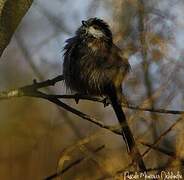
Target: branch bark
{"type": "Point", "coordinates": [11, 14]}
{"type": "Point", "coordinates": [32, 91]}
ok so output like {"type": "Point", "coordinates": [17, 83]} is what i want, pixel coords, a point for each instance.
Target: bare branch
{"type": "Point", "coordinates": [11, 13]}
{"type": "Point", "coordinates": [163, 134]}
{"type": "Point", "coordinates": [162, 150]}
{"type": "Point", "coordinates": [33, 91]}
{"type": "Point", "coordinates": [74, 163]}
{"type": "Point", "coordinates": [30, 89]}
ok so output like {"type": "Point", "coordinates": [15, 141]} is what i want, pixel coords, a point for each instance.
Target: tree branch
{"type": "Point", "coordinates": [74, 163]}
{"type": "Point", "coordinates": [11, 13]}
{"type": "Point", "coordinates": [31, 90]}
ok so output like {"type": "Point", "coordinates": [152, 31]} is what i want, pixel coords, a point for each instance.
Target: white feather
{"type": "Point", "coordinates": [95, 32]}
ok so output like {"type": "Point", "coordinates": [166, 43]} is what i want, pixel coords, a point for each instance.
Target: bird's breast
{"type": "Point", "coordinates": [97, 46]}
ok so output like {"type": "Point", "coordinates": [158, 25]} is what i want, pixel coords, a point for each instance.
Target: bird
{"type": "Point", "coordinates": [93, 65]}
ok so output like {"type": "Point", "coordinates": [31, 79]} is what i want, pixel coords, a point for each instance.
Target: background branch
{"type": "Point", "coordinates": [33, 91]}
{"type": "Point", "coordinates": [11, 13]}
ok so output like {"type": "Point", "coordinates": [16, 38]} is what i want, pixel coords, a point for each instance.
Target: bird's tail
{"type": "Point", "coordinates": [126, 132]}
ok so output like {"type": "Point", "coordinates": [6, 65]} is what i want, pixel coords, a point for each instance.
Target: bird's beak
{"type": "Point", "coordinates": [84, 23]}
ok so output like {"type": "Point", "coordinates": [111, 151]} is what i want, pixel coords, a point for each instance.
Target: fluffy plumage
{"type": "Point", "coordinates": [91, 64]}
{"type": "Point", "coordinates": [94, 65]}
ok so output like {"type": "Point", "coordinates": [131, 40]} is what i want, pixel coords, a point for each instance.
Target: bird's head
{"type": "Point", "coordinates": [95, 28]}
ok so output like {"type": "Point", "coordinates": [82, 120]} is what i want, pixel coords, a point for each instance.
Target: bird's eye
{"type": "Point", "coordinates": [95, 27]}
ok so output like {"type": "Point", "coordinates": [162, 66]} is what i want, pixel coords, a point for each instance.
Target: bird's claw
{"type": "Point", "coordinates": [106, 101]}
{"type": "Point", "coordinates": [77, 98]}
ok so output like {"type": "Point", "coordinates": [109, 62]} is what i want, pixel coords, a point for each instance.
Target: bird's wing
{"type": "Point", "coordinates": [117, 58]}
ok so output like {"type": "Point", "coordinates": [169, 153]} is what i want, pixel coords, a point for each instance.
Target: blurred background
{"type": "Point", "coordinates": [36, 134]}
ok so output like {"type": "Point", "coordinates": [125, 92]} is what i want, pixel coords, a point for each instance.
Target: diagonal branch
{"type": "Point", "coordinates": [74, 163]}
{"type": "Point", "coordinates": [163, 135]}
{"type": "Point", "coordinates": [162, 150]}
{"type": "Point", "coordinates": [30, 90]}
{"type": "Point", "coordinates": [33, 90]}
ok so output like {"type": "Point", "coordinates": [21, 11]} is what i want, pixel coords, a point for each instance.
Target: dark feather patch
{"type": "Point", "coordinates": [90, 64]}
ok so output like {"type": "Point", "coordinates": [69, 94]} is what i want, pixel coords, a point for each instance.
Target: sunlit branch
{"type": "Point", "coordinates": [31, 90]}
{"type": "Point", "coordinates": [74, 163]}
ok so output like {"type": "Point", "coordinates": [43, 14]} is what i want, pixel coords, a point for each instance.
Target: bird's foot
{"type": "Point", "coordinates": [106, 101]}
{"type": "Point", "coordinates": [77, 98]}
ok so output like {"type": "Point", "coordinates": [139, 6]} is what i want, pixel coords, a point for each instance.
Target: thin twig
{"type": "Point", "coordinates": [76, 162]}
{"type": "Point", "coordinates": [33, 91]}
{"type": "Point", "coordinates": [163, 134]}
{"type": "Point", "coordinates": [130, 106]}
{"type": "Point", "coordinates": [167, 152]}
{"type": "Point", "coordinates": [155, 143]}
{"type": "Point", "coordinates": [25, 90]}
